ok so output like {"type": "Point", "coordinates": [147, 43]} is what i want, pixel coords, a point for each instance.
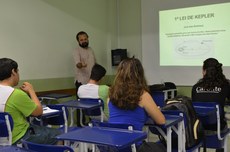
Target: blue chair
{"type": "Point", "coordinates": [114, 125]}
{"type": "Point", "coordinates": [93, 112]}
{"type": "Point", "coordinates": [60, 120]}
{"type": "Point", "coordinates": [159, 98]}
{"type": "Point", "coordinates": [156, 91]}
{"type": "Point", "coordinates": [219, 138]}
{"type": "Point", "coordinates": [6, 127]}
{"type": "Point", "coordinates": [162, 92]}
{"type": "Point", "coordinates": [45, 148]}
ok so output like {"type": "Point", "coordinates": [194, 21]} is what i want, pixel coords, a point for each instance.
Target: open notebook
{"type": "Point", "coordinates": [47, 110]}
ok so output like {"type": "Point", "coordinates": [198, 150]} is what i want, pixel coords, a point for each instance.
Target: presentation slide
{"type": "Point", "coordinates": [188, 36]}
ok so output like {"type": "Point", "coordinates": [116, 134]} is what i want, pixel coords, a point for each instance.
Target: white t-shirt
{"type": "Point", "coordinates": [88, 91]}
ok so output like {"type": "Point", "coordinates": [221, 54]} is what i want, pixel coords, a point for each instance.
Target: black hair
{"type": "Point", "coordinates": [213, 74]}
{"type": "Point", "coordinates": [6, 67]}
{"type": "Point", "coordinates": [97, 72]}
{"type": "Point", "coordinates": [81, 33]}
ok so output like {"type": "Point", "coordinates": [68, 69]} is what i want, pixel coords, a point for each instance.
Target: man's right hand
{"type": "Point", "coordinates": [79, 65]}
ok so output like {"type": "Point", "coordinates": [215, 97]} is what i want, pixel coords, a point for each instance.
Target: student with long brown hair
{"type": "Point", "coordinates": [130, 101]}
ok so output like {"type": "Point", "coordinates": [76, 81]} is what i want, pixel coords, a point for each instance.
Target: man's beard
{"type": "Point", "coordinates": [84, 45]}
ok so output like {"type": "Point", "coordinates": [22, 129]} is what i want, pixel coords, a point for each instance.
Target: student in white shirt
{"type": "Point", "coordinates": [93, 90]}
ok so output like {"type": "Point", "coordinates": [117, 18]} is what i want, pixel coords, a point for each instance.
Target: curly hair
{"type": "Point", "coordinates": [213, 74]}
{"type": "Point", "coordinates": [129, 84]}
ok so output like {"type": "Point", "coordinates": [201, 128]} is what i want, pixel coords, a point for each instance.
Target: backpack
{"type": "Point", "coordinates": [194, 131]}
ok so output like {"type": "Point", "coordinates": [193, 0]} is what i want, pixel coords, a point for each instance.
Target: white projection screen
{"type": "Point", "coordinates": [177, 36]}
{"type": "Point", "coordinates": [194, 34]}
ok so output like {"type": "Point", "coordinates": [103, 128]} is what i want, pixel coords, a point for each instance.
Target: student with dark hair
{"type": "Point", "coordinates": [21, 103]}
{"type": "Point", "coordinates": [92, 89]}
{"type": "Point", "coordinates": [213, 87]}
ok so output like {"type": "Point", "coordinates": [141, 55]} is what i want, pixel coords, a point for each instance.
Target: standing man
{"type": "Point", "coordinates": [84, 61]}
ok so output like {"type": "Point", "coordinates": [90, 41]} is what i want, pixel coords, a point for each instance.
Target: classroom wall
{"type": "Point", "coordinates": [129, 25]}
{"type": "Point", "coordinates": [40, 36]}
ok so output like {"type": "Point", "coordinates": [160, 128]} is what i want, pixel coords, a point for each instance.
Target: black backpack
{"type": "Point", "coordinates": [194, 131]}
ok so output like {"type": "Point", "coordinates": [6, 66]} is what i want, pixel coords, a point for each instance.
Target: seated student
{"type": "Point", "coordinates": [93, 90]}
{"type": "Point", "coordinates": [213, 87]}
{"type": "Point", "coordinates": [129, 99]}
{"type": "Point", "coordinates": [21, 103]}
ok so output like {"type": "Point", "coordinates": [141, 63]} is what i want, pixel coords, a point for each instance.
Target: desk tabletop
{"type": "Point", "coordinates": [51, 113]}
{"type": "Point", "coordinates": [54, 96]}
{"type": "Point", "coordinates": [13, 149]}
{"type": "Point", "coordinates": [171, 120]}
{"type": "Point", "coordinates": [46, 115]}
{"type": "Point", "coordinates": [119, 138]}
{"type": "Point", "coordinates": [82, 105]}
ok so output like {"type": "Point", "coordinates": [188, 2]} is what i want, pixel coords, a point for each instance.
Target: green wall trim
{"type": "Point", "coordinates": [108, 80]}
{"type": "Point", "coordinates": [51, 83]}
{"type": "Point", "coordinates": [68, 83]}
{"type": "Point", "coordinates": [60, 83]}
{"type": "Point", "coordinates": [184, 90]}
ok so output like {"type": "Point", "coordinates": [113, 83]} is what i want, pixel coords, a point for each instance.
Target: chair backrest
{"type": "Point", "coordinates": [45, 148]}
{"type": "Point", "coordinates": [206, 107]}
{"type": "Point", "coordinates": [210, 113]}
{"type": "Point", "coordinates": [93, 112]}
{"type": "Point", "coordinates": [161, 92]}
{"type": "Point", "coordinates": [212, 118]}
{"type": "Point", "coordinates": [61, 119]}
{"type": "Point", "coordinates": [6, 127]}
{"type": "Point", "coordinates": [159, 98]}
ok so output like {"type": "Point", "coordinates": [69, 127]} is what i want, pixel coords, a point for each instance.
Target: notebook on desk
{"type": "Point", "coordinates": [47, 110]}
